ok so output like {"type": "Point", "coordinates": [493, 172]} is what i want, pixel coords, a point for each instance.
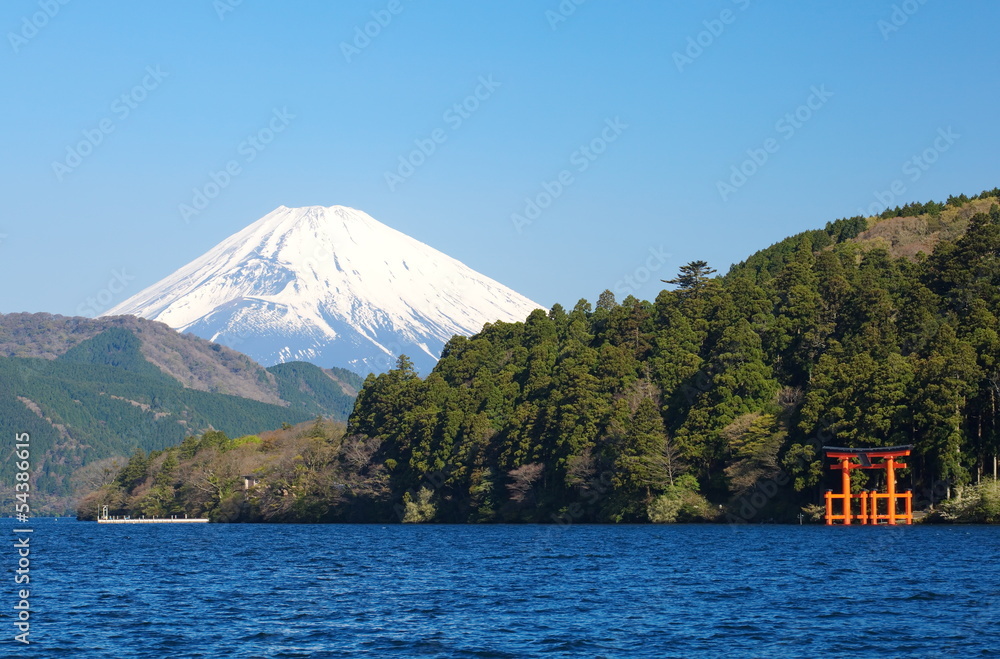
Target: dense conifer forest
{"type": "Point", "coordinates": [722, 390]}
{"type": "Point", "coordinates": [710, 402]}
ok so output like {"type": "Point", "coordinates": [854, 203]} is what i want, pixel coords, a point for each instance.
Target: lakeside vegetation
{"type": "Point", "coordinates": [310, 472]}
{"type": "Point", "coordinates": [710, 402]}
{"type": "Point", "coordinates": [102, 399]}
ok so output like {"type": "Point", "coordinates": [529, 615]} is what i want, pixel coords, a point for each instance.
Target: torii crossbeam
{"type": "Point", "coordinates": [869, 499]}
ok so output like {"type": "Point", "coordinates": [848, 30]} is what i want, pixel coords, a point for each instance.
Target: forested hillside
{"type": "Point", "coordinates": [309, 472]}
{"type": "Point", "coordinates": [102, 399]}
{"type": "Point", "coordinates": [720, 392]}
{"type": "Point", "coordinates": [192, 361]}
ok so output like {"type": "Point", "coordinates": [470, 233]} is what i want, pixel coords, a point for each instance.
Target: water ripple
{"type": "Point", "coordinates": [513, 591]}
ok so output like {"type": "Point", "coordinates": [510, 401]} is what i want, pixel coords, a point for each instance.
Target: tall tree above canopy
{"type": "Point", "coordinates": [606, 300]}
{"type": "Point", "coordinates": [692, 278]}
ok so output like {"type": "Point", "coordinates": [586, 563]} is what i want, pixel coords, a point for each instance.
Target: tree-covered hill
{"type": "Point", "coordinates": [192, 361]}
{"type": "Point", "coordinates": [309, 472]}
{"type": "Point", "coordinates": [719, 393]}
{"type": "Point", "coordinates": [901, 231]}
{"type": "Point", "coordinates": [102, 398]}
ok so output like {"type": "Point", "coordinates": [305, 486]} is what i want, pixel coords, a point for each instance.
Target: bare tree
{"type": "Point", "coordinates": [97, 474]}
{"type": "Point", "coordinates": [580, 469]}
{"type": "Point", "coordinates": [523, 480]}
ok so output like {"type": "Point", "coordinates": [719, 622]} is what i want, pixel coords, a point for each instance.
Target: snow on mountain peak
{"type": "Point", "coordinates": [330, 285]}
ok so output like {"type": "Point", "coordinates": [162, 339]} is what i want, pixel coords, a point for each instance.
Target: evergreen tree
{"type": "Point", "coordinates": [606, 300]}
{"type": "Point", "coordinates": [692, 278]}
{"type": "Point", "coordinates": [640, 470]}
{"type": "Point", "coordinates": [944, 381]}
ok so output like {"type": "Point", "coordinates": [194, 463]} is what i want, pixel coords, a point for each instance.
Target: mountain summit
{"type": "Point", "coordinates": [331, 286]}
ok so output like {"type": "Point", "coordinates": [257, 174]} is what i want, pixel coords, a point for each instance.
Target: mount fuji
{"type": "Point", "coordinates": [331, 286]}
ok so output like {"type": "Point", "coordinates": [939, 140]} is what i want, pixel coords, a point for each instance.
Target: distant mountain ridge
{"type": "Point", "coordinates": [331, 286]}
{"type": "Point", "coordinates": [191, 360]}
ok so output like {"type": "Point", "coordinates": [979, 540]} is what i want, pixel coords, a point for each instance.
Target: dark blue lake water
{"type": "Point", "coordinates": [506, 591]}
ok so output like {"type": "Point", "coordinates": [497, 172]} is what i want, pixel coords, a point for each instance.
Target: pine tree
{"type": "Point", "coordinates": [944, 381]}
{"type": "Point", "coordinates": [692, 278]}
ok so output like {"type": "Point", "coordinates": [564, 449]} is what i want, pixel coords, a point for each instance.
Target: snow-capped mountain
{"type": "Point", "coordinates": [331, 286]}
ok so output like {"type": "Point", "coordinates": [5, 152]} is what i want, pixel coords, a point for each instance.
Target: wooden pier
{"type": "Point", "coordinates": [153, 520]}
{"type": "Point", "coordinates": [105, 519]}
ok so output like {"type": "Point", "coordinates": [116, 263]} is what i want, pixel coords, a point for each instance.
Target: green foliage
{"type": "Point", "coordinates": [978, 504]}
{"type": "Point", "coordinates": [316, 430]}
{"type": "Point", "coordinates": [769, 262]}
{"type": "Point", "coordinates": [693, 277]}
{"type": "Point", "coordinates": [680, 502]}
{"type": "Point", "coordinates": [754, 441]}
{"type": "Point", "coordinates": [118, 348]}
{"type": "Point", "coordinates": [89, 389]}
{"type": "Point", "coordinates": [134, 472]}
{"type": "Point", "coordinates": [717, 396]}
{"type": "Point", "coordinates": [606, 301]}
{"type": "Point", "coordinates": [213, 439]}
{"type": "Point", "coordinates": [419, 510]}
{"type": "Point", "coordinates": [246, 440]}
{"type": "Point", "coordinates": [299, 477]}
{"type": "Point", "coordinates": [99, 401]}
{"type": "Point", "coordinates": [914, 209]}
{"type": "Point", "coordinates": [311, 390]}
{"type": "Point", "coordinates": [737, 382]}
{"type": "Point", "coordinates": [350, 379]}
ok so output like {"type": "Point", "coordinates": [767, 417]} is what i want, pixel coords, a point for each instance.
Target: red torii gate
{"type": "Point", "coordinates": [869, 499]}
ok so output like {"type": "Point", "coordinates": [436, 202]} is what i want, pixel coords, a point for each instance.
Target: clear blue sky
{"type": "Point", "coordinates": [199, 79]}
